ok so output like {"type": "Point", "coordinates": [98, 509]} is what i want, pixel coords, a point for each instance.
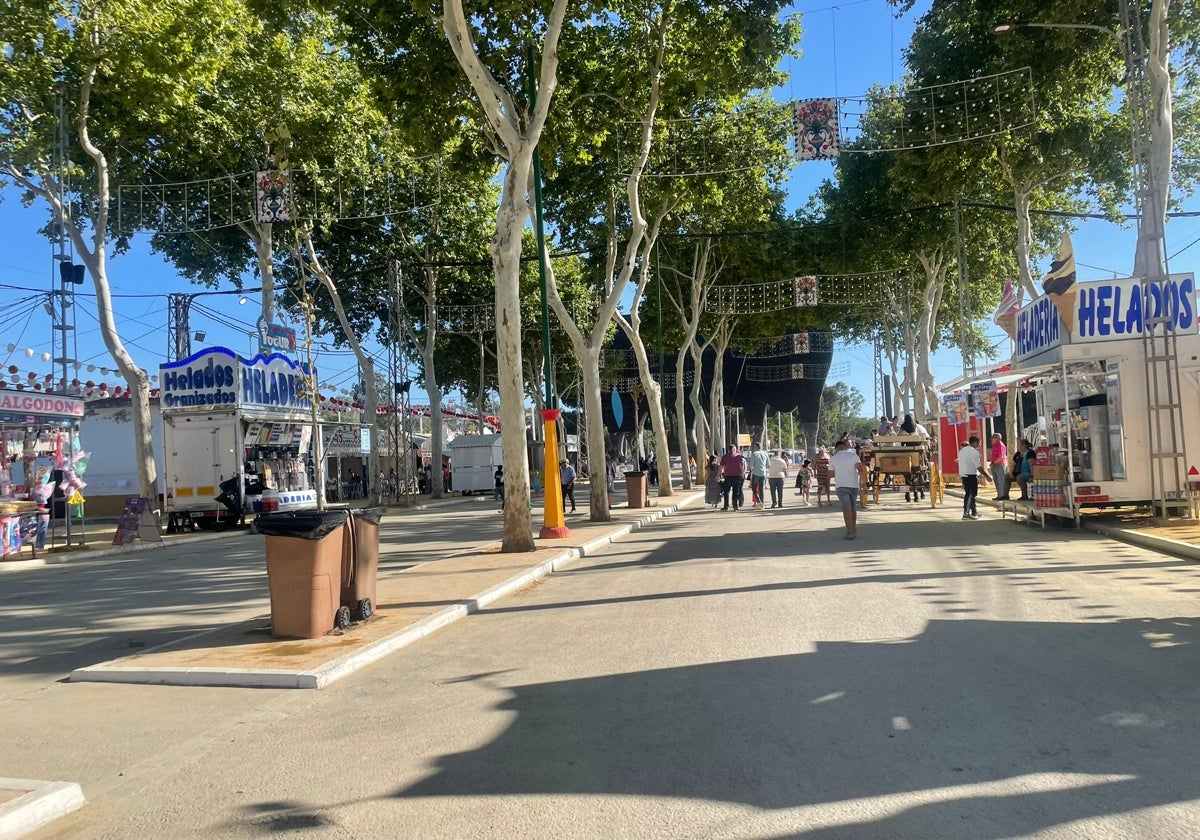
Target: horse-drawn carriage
{"type": "Point", "coordinates": [900, 461]}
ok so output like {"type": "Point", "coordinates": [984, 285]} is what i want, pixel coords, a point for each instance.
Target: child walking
{"type": "Point", "coordinates": [804, 480]}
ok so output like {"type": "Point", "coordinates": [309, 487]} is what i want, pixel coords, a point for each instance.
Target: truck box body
{"type": "Point", "coordinates": [201, 452]}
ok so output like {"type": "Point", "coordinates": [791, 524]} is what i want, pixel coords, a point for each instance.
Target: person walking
{"type": "Point", "coordinates": [970, 470]}
{"type": "Point", "coordinates": [566, 476]}
{"type": "Point", "coordinates": [777, 472]}
{"type": "Point", "coordinates": [804, 480]}
{"type": "Point", "coordinates": [848, 474]}
{"type": "Point", "coordinates": [712, 481]}
{"type": "Point", "coordinates": [733, 469]}
{"type": "Point", "coordinates": [498, 492]}
{"type": "Point", "coordinates": [611, 469]}
{"type": "Point", "coordinates": [760, 466]}
{"type": "Point", "coordinates": [998, 461]}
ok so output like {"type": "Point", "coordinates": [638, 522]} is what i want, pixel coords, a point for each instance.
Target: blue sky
{"type": "Point", "coordinates": [847, 47]}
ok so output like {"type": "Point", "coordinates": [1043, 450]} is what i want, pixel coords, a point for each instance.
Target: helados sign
{"type": "Point", "coordinates": [217, 378]}
{"type": "Point", "coordinates": [1105, 310]}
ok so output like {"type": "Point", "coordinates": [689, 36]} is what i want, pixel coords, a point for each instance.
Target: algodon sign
{"type": "Point", "coordinates": [47, 404]}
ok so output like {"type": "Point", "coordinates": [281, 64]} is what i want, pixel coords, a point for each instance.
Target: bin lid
{"type": "Point", "coordinates": [300, 524]}
{"type": "Point", "coordinates": [371, 514]}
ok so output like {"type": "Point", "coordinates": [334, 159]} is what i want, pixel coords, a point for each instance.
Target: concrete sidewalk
{"type": "Point", "coordinates": [412, 603]}
{"type": "Point", "coordinates": [1179, 538]}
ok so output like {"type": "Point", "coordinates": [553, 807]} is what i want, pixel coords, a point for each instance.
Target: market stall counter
{"type": "Point", "coordinates": [41, 468]}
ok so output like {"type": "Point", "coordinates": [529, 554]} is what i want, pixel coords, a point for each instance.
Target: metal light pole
{"type": "Point", "coordinates": [179, 331]}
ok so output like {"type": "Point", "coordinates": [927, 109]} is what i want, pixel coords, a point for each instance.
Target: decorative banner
{"type": "Point", "coordinates": [986, 397]}
{"type": "Point", "coordinates": [957, 410]}
{"type": "Point", "coordinates": [800, 344]}
{"type": "Point", "coordinates": [815, 122]}
{"type": "Point", "coordinates": [797, 371]}
{"type": "Point", "coordinates": [618, 408]}
{"type": "Point", "coordinates": [273, 193]}
{"type": "Point", "coordinates": [806, 291]}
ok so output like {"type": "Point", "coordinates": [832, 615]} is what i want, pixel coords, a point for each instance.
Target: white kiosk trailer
{"type": "Point", "coordinates": [225, 417]}
{"type": "Point", "coordinates": [1085, 359]}
{"type": "Point", "coordinates": [473, 462]}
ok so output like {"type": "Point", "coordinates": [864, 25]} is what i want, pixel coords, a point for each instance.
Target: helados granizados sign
{"type": "Point", "coordinates": [217, 378]}
{"type": "Point", "coordinates": [1105, 310]}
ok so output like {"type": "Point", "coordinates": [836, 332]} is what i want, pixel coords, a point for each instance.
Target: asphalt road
{"type": "Point", "coordinates": [718, 675]}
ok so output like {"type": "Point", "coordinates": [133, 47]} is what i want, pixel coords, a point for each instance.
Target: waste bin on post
{"type": "Point", "coordinates": [360, 561]}
{"type": "Point", "coordinates": [636, 487]}
{"type": "Point", "coordinates": [304, 564]}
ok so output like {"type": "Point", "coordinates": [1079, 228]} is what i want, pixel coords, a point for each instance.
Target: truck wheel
{"type": "Point", "coordinates": [342, 619]}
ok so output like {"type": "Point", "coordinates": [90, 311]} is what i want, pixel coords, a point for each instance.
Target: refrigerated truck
{"type": "Point", "coordinates": [210, 402]}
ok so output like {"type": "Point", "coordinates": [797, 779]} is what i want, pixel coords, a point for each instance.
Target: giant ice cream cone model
{"type": "Point", "coordinates": [1065, 304]}
{"type": "Point", "coordinates": [1059, 284]}
{"type": "Point", "coordinates": [1008, 323]}
{"type": "Point", "coordinates": [1006, 312]}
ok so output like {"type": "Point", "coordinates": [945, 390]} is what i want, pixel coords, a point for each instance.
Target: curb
{"type": "Point", "coordinates": [1163, 545]}
{"type": "Point", "coordinates": [42, 803]}
{"type": "Point", "coordinates": [343, 666]}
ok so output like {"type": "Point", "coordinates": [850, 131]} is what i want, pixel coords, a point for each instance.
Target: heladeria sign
{"type": "Point", "coordinates": [217, 378]}
{"type": "Point", "coordinates": [1105, 310]}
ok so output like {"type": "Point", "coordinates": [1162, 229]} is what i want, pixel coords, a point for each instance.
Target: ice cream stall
{"type": "Point", "coordinates": [1080, 354]}
{"type": "Point", "coordinates": [237, 436]}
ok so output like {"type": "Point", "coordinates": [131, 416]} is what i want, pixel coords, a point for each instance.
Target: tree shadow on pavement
{"type": "Point", "coordinates": [978, 729]}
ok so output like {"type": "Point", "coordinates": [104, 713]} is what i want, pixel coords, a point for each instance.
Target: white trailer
{"type": "Point", "coordinates": [473, 462]}
{"type": "Point", "coordinates": [200, 451]}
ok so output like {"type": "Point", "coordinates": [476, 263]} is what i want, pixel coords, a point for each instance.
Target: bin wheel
{"type": "Point", "coordinates": [365, 609]}
{"type": "Point", "coordinates": [342, 620]}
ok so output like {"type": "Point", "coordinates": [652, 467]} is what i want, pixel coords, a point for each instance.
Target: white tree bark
{"type": "Point", "coordinates": [366, 370]}
{"type": "Point", "coordinates": [518, 142]}
{"type": "Point", "coordinates": [690, 311]}
{"type": "Point", "coordinates": [588, 346]}
{"type": "Point", "coordinates": [631, 326]}
{"type": "Point", "coordinates": [722, 335]}
{"type": "Point", "coordinates": [94, 256]}
{"type": "Point", "coordinates": [1150, 258]}
{"type": "Point", "coordinates": [925, 389]}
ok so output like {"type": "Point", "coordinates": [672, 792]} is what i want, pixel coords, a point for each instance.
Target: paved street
{"type": "Point", "coordinates": [715, 675]}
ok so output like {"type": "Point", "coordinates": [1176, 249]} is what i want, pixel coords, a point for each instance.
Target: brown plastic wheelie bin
{"type": "Point", "coordinates": [304, 564]}
{"type": "Point", "coordinates": [360, 563]}
{"type": "Point", "coordinates": [637, 487]}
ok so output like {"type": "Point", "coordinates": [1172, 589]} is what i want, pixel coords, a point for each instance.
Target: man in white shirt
{"type": "Point", "coordinates": [848, 472]}
{"type": "Point", "coordinates": [776, 472]}
{"type": "Point", "coordinates": [970, 470]}
{"type": "Point", "coordinates": [760, 465]}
